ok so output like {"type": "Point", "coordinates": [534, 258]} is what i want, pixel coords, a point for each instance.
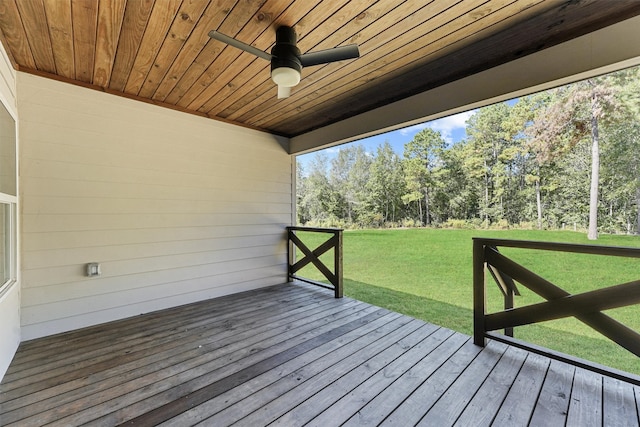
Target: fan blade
{"type": "Point", "coordinates": [330, 55]}
{"type": "Point", "coordinates": [240, 45]}
{"type": "Point", "coordinates": [283, 92]}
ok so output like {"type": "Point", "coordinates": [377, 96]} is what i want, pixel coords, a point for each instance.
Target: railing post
{"type": "Point", "coordinates": [508, 304]}
{"type": "Point", "coordinates": [337, 251]}
{"type": "Point", "coordinates": [291, 255]}
{"type": "Point", "coordinates": [479, 294]}
{"type": "Point", "coordinates": [313, 257]}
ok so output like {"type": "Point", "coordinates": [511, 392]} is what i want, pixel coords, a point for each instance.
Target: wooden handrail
{"type": "Point", "coordinates": [313, 257]}
{"type": "Point", "coordinates": [586, 307]}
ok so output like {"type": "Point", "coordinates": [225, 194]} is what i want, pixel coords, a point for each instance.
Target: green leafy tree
{"type": "Point", "coordinates": [493, 157]}
{"type": "Point", "coordinates": [576, 113]}
{"type": "Point", "coordinates": [422, 159]}
{"type": "Point", "coordinates": [386, 183]}
{"type": "Point", "coordinates": [348, 177]}
{"type": "Point", "coordinates": [318, 200]}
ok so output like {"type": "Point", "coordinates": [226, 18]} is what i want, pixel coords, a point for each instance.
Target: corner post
{"type": "Point", "coordinates": [338, 265]}
{"type": "Point", "coordinates": [479, 294]}
{"type": "Point", "coordinates": [291, 254]}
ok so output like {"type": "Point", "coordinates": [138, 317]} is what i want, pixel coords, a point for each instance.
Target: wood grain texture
{"type": "Point", "coordinates": [159, 51]}
{"type": "Point", "coordinates": [482, 409]}
{"type": "Point", "coordinates": [188, 16]}
{"type": "Point", "coordinates": [293, 354]}
{"type": "Point", "coordinates": [34, 20]}
{"type": "Point", "coordinates": [424, 43]}
{"type": "Point", "coordinates": [617, 403]}
{"type": "Point", "coordinates": [162, 16]}
{"type": "Point", "coordinates": [59, 20]}
{"type": "Point", "coordinates": [134, 24]}
{"type": "Point", "coordinates": [585, 408]}
{"type": "Point", "coordinates": [203, 69]}
{"type": "Point", "coordinates": [528, 382]}
{"type": "Point", "coordinates": [85, 21]}
{"type": "Point", "coordinates": [110, 16]}
{"type": "Point", "coordinates": [14, 35]}
{"type": "Point", "coordinates": [553, 402]}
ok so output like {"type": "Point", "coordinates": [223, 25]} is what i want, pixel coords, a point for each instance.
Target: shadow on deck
{"type": "Point", "coordinates": [293, 355]}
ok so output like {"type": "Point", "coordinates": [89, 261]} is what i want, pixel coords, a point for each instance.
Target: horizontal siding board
{"type": "Point", "coordinates": [110, 221]}
{"type": "Point", "coordinates": [116, 112]}
{"type": "Point", "coordinates": [153, 287]}
{"type": "Point", "coordinates": [96, 205]}
{"type": "Point", "coordinates": [87, 172]}
{"type": "Point", "coordinates": [73, 274]}
{"type": "Point", "coordinates": [93, 150]}
{"type": "Point", "coordinates": [176, 208]}
{"type": "Point", "coordinates": [240, 247]}
{"type": "Point", "coordinates": [57, 188]}
{"type": "Point", "coordinates": [93, 238]}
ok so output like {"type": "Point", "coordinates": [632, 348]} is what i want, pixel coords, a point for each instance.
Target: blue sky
{"type": "Point", "coordinates": [452, 129]}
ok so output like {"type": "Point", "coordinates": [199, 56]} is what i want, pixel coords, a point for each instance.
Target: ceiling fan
{"type": "Point", "coordinates": [286, 59]}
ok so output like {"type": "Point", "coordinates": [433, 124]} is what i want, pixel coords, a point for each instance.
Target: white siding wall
{"type": "Point", "coordinates": [176, 208]}
{"type": "Point", "coordinates": [10, 300]}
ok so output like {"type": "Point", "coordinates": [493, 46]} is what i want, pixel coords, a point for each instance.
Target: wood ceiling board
{"type": "Point", "coordinates": [443, 70]}
{"type": "Point", "coordinates": [84, 15]}
{"type": "Point", "coordinates": [189, 14]}
{"type": "Point", "coordinates": [399, 17]}
{"type": "Point", "coordinates": [59, 20]}
{"type": "Point", "coordinates": [436, 23]}
{"type": "Point", "coordinates": [468, 59]}
{"type": "Point", "coordinates": [34, 20]}
{"type": "Point", "coordinates": [134, 24]}
{"type": "Point", "coordinates": [14, 35]}
{"type": "Point", "coordinates": [203, 70]}
{"type": "Point", "coordinates": [251, 73]}
{"type": "Point", "coordinates": [163, 14]}
{"type": "Point", "coordinates": [110, 16]}
{"type": "Point", "coordinates": [208, 84]}
{"type": "Point", "coordinates": [158, 51]}
{"type": "Point", "coordinates": [600, 52]}
{"type": "Point", "coordinates": [230, 97]}
{"type": "Point", "coordinates": [213, 15]}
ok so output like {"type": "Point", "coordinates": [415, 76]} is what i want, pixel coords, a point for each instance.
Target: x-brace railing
{"type": "Point", "coordinates": [587, 307]}
{"type": "Point", "coordinates": [312, 256]}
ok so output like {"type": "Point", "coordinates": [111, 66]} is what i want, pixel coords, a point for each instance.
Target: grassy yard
{"type": "Point", "coordinates": [426, 273]}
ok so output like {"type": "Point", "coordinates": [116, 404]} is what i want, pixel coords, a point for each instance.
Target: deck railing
{"type": "Point", "coordinates": [586, 307]}
{"type": "Point", "coordinates": [312, 256]}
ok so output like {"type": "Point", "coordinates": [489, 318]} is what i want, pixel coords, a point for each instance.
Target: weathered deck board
{"type": "Point", "coordinates": [293, 355]}
{"type": "Point", "coordinates": [585, 407]}
{"type": "Point", "coordinates": [485, 404]}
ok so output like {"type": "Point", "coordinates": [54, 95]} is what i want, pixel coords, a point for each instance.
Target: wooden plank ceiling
{"type": "Point", "coordinates": [158, 51]}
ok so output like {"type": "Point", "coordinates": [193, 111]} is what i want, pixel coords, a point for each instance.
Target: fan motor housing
{"type": "Point", "coordinates": [285, 52]}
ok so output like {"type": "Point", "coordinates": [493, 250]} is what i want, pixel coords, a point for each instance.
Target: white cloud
{"type": "Point", "coordinates": [445, 125]}
{"type": "Point", "coordinates": [414, 129]}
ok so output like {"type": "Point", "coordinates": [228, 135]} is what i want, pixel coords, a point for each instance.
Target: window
{"type": "Point", "coordinates": [8, 199]}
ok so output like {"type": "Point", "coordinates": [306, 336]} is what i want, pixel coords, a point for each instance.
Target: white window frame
{"type": "Point", "coordinates": [11, 231]}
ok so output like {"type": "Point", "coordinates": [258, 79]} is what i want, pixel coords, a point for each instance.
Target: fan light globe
{"type": "Point", "coordinates": [284, 76]}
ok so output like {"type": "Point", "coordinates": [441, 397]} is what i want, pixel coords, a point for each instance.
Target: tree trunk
{"type": "Point", "coordinates": [595, 172]}
{"type": "Point", "coordinates": [539, 202]}
{"type": "Point", "coordinates": [486, 193]}
{"type": "Point", "coordinates": [426, 207]}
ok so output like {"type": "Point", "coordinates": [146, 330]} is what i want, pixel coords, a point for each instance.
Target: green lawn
{"type": "Point", "coordinates": [426, 273]}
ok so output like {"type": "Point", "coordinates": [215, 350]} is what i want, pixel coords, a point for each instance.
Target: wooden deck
{"type": "Point", "coordinates": [293, 355]}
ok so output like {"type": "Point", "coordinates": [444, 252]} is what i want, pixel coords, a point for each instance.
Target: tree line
{"type": "Point", "coordinates": [566, 157]}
